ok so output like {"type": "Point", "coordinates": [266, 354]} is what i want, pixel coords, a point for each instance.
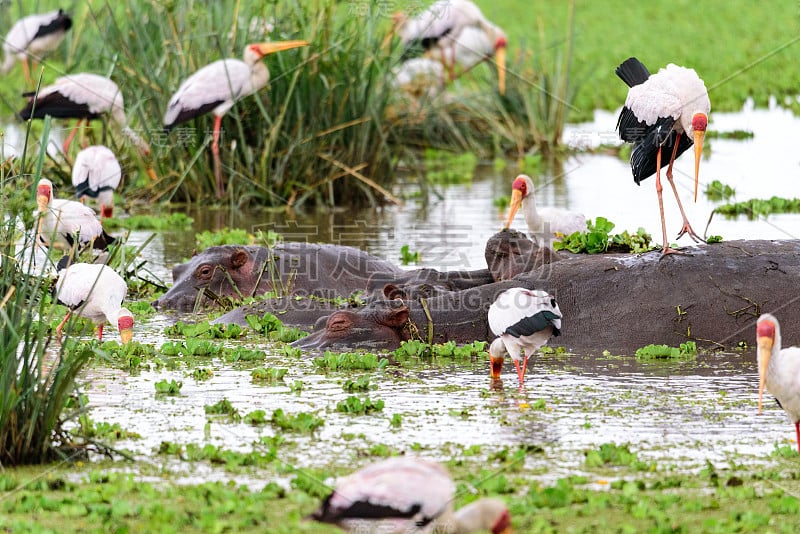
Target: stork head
{"type": "Point", "coordinates": [44, 192]}
{"type": "Point", "coordinates": [125, 325]}
{"type": "Point", "coordinates": [497, 354]}
{"type": "Point", "coordinates": [521, 187]}
{"type": "Point", "coordinates": [699, 125]}
{"type": "Point", "coordinates": [254, 52]}
{"type": "Point", "coordinates": [767, 331]}
{"type": "Point", "coordinates": [500, 45]}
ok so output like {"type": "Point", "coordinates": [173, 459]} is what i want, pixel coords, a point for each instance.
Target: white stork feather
{"type": "Point", "coordinates": [34, 35]}
{"type": "Point", "coordinates": [96, 174]}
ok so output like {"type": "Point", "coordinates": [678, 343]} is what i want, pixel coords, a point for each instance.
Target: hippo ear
{"type": "Point", "coordinates": [239, 258]}
{"type": "Point", "coordinates": [391, 292]}
{"type": "Point", "coordinates": [397, 317]}
{"type": "Point", "coordinates": [194, 253]}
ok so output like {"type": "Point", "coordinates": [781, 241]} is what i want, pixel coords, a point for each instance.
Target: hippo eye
{"type": "Point", "coordinates": [338, 324]}
{"type": "Point", "coordinates": [204, 272]}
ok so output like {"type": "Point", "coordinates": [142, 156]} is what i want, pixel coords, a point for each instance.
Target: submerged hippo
{"type": "Point", "coordinates": [234, 271]}
{"type": "Point", "coordinates": [618, 302]}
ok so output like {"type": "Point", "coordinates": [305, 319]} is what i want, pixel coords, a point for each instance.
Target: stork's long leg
{"type": "Point", "coordinates": [666, 248]}
{"type": "Point", "coordinates": [687, 228]}
{"type": "Point", "coordinates": [215, 153]}
{"type": "Point", "coordinates": [71, 136]}
{"type": "Point", "coordinates": [27, 71]}
{"type": "Point", "coordinates": [797, 433]}
{"type": "Point", "coordinates": [100, 331]}
{"type": "Point", "coordinates": [520, 372]}
{"type": "Point", "coordinates": [60, 327]}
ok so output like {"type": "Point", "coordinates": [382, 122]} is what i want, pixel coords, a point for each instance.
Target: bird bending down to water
{"type": "Point", "coordinates": [82, 96]}
{"type": "Point", "coordinates": [523, 319]}
{"type": "Point", "coordinates": [664, 114]}
{"type": "Point", "coordinates": [404, 495]}
{"type": "Point", "coordinates": [778, 370]}
{"type": "Point", "coordinates": [96, 292]}
{"type": "Point", "coordinates": [34, 36]}
{"type": "Point", "coordinates": [96, 174]}
{"type": "Point", "coordinates": [440, 29]}
{"type": "Point", "coordinates": [543, 223]}
{"type": "Point", "coordinates": [216, 88]}
{"type": "Point", "coordinates": [66, 223]}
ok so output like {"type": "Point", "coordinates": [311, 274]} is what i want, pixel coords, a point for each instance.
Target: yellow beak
{"type": "Point", "coordinates": [279, 46]}
{"type": "Point", "coordinates": [516, 200]}
{"type": "Point", "coordinates": [42, 201]}
{"type": "Point", "coordinates": [698, 153]}
{"type": "Point", "coordinates": [500, 59]}
{"type": "Point", "coordinates": [764, 353]}
{"type": "Point", "coordinates": [125, 335]}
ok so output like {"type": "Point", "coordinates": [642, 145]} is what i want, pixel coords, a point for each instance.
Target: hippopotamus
{"type": "Point", "coordinates": [296, 268]}
{"type": "Point", "coordinates": [712, 295]}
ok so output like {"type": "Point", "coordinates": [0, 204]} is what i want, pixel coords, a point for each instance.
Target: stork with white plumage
{"type": "Point", "coordinates": [94, 291]}
{"type": "Point", "coordinates": [217, 87]}
{"type": "Point", "coordinates": [96, 174]}
{"type": "Point", "coordinates": [440, 29]}
{"type": "Point", "coordinates": [546, 223]}
{"type": "Point", "coordinates": [34, 37]}
{"type": "Point", "coordinates": [85, 97]}
{"type": "Point", "coordinates": [404, 495]}
{"type": "Point", "coordinates": [524, 320]}
{"type": "Point", "coordinates": [663, 114]}
{"type": "Point", "coordinates": [67, 224]}
{"type": "Point", "coordinates": [778, 370]}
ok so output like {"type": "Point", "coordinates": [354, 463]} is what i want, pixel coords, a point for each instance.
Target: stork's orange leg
{"type": "Point", "coordinates": [666, 248]}
{"type": "Point", "coordinates": [27, 71]}
{"type": "Point", "coordinates": [215, 154]}
{"type": "Point", "coordinates": [60, 327]}
{"type": "Point", "coordinates": [687, 228]}
{"type": "Point", "coordinates": [520, 372]}
{"type": "Point", "coordinates": [100, 332]}
{"type": "Point", "coordinates": [71, 136]}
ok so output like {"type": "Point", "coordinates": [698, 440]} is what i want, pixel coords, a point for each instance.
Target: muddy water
{"type": "Point", "coordinates": [678, 414]}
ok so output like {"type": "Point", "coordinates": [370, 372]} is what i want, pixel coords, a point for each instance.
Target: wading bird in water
{"type": "Point", "coordinates": [546, 223]}
{"type": "Point", "coordinates": [524, 319]}
{"type": "Point", "coordinates": [33, 37]}
{"type": "Point", "coordinates": [778, 370]}
{"type": "Point", "coordinates": [404, 495]}
{"type": "Point", "coordinates": [96, 174]}
{"type": "Point", "coordinates": [441, 28]}
{"type": "Point", "coordinates": [216, 88]}
{"type": "Point", "coordinates": [664, 114]}
{"type": "Point", "coordinates": [94, 291]}
{"type": "Point", "coordinates": [82, 96]}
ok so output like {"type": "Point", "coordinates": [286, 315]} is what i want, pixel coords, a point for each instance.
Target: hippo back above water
{"type": "Point", "coordinates": [237, 272]}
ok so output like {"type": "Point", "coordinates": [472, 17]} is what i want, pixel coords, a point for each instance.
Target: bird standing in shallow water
{"type": "Point", "coordinates": [524, 319]}
{"type": "Point", "coordinates": [96, 174]}
{"type": "Point", "coordinates": [405, 495]}
{"type": "Point", "coordinates": [34, 36]}
{"type": "Point", "coordinates": [663, 114]}
{"type": "Point", "coordinates": [778, 370]}
{"type": "Point", "coordinates": [96, 292]}
{"type": "Point", "coordinates": [216, 88]}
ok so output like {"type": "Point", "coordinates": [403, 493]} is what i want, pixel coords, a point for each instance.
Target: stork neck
{"type": "Point", "coordinates": [478, 516]}
{"type": "Point", "coordinates": [259, 76]}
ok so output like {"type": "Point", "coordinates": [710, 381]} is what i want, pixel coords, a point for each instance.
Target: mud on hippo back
{"type": "Point", "coordinates": [237, 272]}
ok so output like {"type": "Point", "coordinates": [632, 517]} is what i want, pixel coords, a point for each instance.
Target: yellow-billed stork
{"type": "Point", "coordinates": [667, 112]}
{"type": "Point", "coordinates": [524, 319]}
{"type": "Point", "coordinates": [66, 223]}
{"type": "Point", "coordinates": [778, 370]}
{"type": "Point", "coordinates": [216, 88]}
{"type": "Point", "coordinates": [96, 174]}
{"type": "Point", "coordinates": [543, 223]}
{"type": "Point", "coordinates": [439, 29]}
{"type": "Point", "coordinates": [94, 291]}
{"type": "Point", "coordinates": [82, 96]}
{"type": "Point", "coordinates": [407, 494]}
{"type": "Point", "coordinates": [34, 36]}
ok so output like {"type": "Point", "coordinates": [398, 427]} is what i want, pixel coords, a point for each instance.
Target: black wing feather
{"type": "Point", "coordinates": [190, 113]}
{"type": "Point", "coordinates": [62, 22]}
{"type": "Point", "coordinates": [630, 128]}
{"type": "Point", "coordinates": [632, 72]}
{"type": "Point", "coordinates": [361, 510]}
{"type": "Point", "coordinates": [534, 323]}
{"type": "Point", "coordinates": [56, 105]}
{"type": "Point", "coordinates": [645, 152]}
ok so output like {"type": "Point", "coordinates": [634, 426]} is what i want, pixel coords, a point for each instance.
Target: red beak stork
{"type": "Point", "coordinates": [778, 370]}
{"type": "Point", "coordinates": [34, 36]}
{"type": "Point", "coordinates": [84, 97]}
{"type": "Point", "coordinates": [667, 112]}
{"type": "Point", "coordinates": [440, 29]}
{"type": "Point", "coordinates": [408, 494]}
{"type": "Point", "coordinates": [216, 88]}
{"type": "Point", "coordinates": [96, 174]}
{"type": "Point", "coordinates": [94, 291]}
{"type": "Point", "coordinates": [543, 223]}
{"type": "Point", "coordinates": [524, 319]}
{"type": "Point", "coordinates": [67, 224]}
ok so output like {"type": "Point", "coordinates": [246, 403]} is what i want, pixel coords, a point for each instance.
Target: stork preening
{"type": "Point", "coordinates": [524, 319]}
{"type": "Point", "coordinates": [544, 224]}
{"type": "Point", "coordinates": [778, 370]}
{"type": "Point", "coordinates": [405, 494]}
{"type": "Point", "coordinates": [34, 37]}
{"type": "Point", "coordinates": [67, 224]}
{"type": "Point", "coordinates": [664, 114]}
{"type": "Point", "coordinates": [96, 174]}
{"type": "Point", "coordinates": [94, 291]}
{"type": "Point", "coordinates": [448, 26]}
{"type": "Point", "coordinates": [84, 97]}
{"type": "Point", "coordinates": [216, 88]}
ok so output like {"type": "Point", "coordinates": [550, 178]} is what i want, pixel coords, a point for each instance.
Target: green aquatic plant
{"type": "Point", "coordinates": [172, 221]}
{"type": "Point", "coordinates": [302, 422]}
{"type": "Point", "coordinates": [716, 190]}
{"type": "Point", "coordinates": [205, 330]}
{"type": "Point", "coordinates": [236, 236]}
{"type": "Point", "coordinates": [732, 134]}
{"type": "Point", "coordinates": [359, 384]}
{"type": "Point", "coordinates": [611, 454]}
{"type": "Point", "coordinates": [268, 374]}
{"type": "Point", "coordinates": [598, 239]}
{"type": "Point", "coordinates": [342, 361]}
{"type": "Point", "coordinates": [407, 256]}
{"type": "Point", "coordinates": [223, 407]}
{"type": "Point", "coordinates": [355, 406]}
{"type": "Point", "coordinates": [756, 207]}
{"type": "Point", "coordinates": [443, 167]}
{"type": "Point", "coordinates": [664, 352]}
{"type": "Point", "coordinates": [168, 388]}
